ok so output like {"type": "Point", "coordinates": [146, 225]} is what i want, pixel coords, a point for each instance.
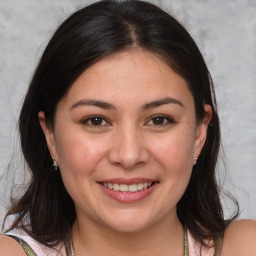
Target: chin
{"type": "Point", "coordinates": [128, 228]}
{"type": "Point", "coordinates": [128, 223]}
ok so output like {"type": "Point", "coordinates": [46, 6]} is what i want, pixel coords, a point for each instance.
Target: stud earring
{"type": "Point", "coordinates": [54, 164]}
{"type": "Point", "coordinates": [195, 160]}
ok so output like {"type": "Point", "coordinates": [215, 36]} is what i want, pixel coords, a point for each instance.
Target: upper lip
{"type": "Point", "coordinates": [127, 181]}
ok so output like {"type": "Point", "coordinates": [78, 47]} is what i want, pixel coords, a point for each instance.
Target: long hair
{"type": "Point", "coordinates": [86, 37]}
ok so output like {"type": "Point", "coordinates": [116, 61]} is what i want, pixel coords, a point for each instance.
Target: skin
{"type": "Point", "coordinates": [238, 240]}
{"type": "Point", "coordinates": [128, 142]}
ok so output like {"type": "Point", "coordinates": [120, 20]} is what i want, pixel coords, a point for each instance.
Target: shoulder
{"type": "Point", "coordinates": [239, 238]}
{"type": "Point", "coordinates": [10, 247]}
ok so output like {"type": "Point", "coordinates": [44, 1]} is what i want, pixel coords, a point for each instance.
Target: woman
{"type": "Point", "coordinates": [121, 133]}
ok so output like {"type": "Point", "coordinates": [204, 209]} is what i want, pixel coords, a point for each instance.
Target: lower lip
{"type": "Point", "coordinates": [129, 197]}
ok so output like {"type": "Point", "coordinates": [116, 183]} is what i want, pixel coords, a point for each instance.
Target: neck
{"type": "Point", "coordinates": [165, 238]}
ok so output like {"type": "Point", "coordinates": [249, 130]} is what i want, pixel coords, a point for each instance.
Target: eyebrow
{"type": "Point", "coordinates": [108, 106]}
{"type": "Point", "coordinates": [160, 102]}
{"type": "Point", "coordinates": [97, 103]}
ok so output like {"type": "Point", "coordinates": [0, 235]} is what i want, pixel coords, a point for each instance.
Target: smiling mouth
{"type": "Point", "coordinates": [132, 188]}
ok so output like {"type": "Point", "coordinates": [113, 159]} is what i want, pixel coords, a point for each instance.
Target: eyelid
{"type": "Point", "coordinates": [85, 120]}
{"type": "Point", "coordinates": [169, 119]}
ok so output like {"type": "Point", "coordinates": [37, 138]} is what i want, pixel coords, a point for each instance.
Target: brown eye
{"type": "Point", "coordinates": [95, 121]}
{"type": "Point", "coordinates": [160, 121]}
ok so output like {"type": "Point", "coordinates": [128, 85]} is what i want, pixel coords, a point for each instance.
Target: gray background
{"type": "Point", "coordinates": [226, 34]}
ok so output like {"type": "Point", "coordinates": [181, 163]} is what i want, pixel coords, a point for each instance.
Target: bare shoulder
{"type": "Point", "coordinates": [10, 247]}
{"type": "Point", "coordinates": [239, 238]}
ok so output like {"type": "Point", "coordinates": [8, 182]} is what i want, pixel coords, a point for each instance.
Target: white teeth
{"type": "Point", "coordinates": [116, 187]}
{"type": "Point", "coordinates": [140, 186]}
{"type": "Point", "coordinates": [127, 188]}
{"type": "Point", "coordinates": [133, 188]}
{"type": "Point", "coordinates": [123, 187]}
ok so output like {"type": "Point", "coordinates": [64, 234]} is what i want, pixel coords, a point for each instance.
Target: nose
{"type": "Point", "coordinates": [128, 149]}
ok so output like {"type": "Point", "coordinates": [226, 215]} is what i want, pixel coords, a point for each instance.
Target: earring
{"type": "Point", "coordinates": [195, 160]}
{"type": "Point", "coordinates": [54, 164]}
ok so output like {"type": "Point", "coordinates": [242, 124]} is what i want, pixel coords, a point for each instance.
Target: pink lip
{"type": "Point", "coordinates": [127, 181]}
{"type": "Point", "coordinates": [126, 197]}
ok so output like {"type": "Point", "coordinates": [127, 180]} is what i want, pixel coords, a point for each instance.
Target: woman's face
{"type": "Point", "coordinates": [125, 140]}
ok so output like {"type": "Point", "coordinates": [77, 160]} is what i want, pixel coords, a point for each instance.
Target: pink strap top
{"type": "Point", "coordinates": [38, 248]}
{"type": "Point", "coordinates": [194, 247]}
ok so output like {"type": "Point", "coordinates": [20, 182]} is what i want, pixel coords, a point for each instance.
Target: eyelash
{"type": "Point", "coordinates": [166, 119]}
{"type": "Point", "coordinates": [91, 118]}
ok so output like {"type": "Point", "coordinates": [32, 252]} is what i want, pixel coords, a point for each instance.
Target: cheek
{"type": "Point", "coordinates": [175, 156]}
{"type": "Point", "coordinates": [78, 155]}
{"type": "Point", "coordinates": [78, 158]}
{"type": "Point", "coordinates": [175, 150]}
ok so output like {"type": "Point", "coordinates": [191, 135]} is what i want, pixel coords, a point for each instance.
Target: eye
{"type": "Point", "coordinates": [95, 121]}
{"type": "Point", "coordinates": [160, 120]}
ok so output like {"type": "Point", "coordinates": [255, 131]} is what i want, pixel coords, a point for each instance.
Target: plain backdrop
{"type": "Point", "coordinates": [225, 31]}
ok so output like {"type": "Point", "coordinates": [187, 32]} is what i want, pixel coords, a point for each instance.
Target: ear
{"type": "Point", "coordinates": [201, 130]}
{"type": "Point", "coordinates": [49, 136]}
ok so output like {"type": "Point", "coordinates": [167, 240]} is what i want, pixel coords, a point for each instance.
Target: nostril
{"type": "Point", "coordinates": [128, 153]}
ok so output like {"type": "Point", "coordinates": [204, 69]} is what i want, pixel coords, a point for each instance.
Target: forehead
{"type": "Point", "coordinates": [129, 77]}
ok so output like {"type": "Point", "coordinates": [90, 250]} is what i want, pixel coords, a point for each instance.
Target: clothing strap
{"type": "Point", "coordinates": [218, 245]}
{"type": "Point", "coordinates": [28, 250]}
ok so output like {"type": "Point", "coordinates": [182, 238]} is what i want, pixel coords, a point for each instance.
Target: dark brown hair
{"type": "Point", "coordinates": [87, 36]}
